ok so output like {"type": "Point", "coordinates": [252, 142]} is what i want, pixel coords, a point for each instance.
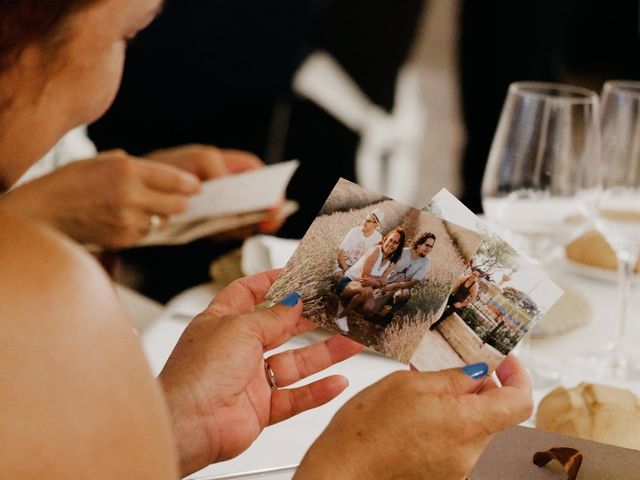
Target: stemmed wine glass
{"type": "Point", "coordinates": [616, 206]}
{"type": "Point", "coordinates": [541, 158]}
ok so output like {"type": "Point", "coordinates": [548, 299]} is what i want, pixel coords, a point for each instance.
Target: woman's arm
{"type": "Point", "coordinates": [77, 397]}
{"type": "Point", "coordinates": [366, 279]}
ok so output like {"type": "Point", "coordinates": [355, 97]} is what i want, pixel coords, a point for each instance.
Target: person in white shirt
{"type": "Point", "coordinates": [357, 242]}
{"type": "Point", "coordinates": [411, 268]}
{"type": "Point", "coordinates": [355, 289]}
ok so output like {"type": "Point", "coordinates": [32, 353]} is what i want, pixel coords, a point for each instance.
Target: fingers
{"type": "Point", "coordinates": [204, 161]}
{"type": "Point", "coordinates": [289, 402]}
{"type": "Point", "coordinates": [207, 162]}
{"type": "Point", "coordinates": [272, 222]}
{"type": "Point", "coordinates": [303, 325]}
{"type": "Point", "coordinates": [242, 295]}
{"type": "Point", "coordinates": [294, 365]}
{"type": "Point", "coordinates": [166, 178]}
{"type": "Point", "coordinates": [511, 373]}
{"type": "Point", "coordinates": [163, 203]}
{"type": "Point", "coordinates": [489, 384]}
{"type": "Point", "coordinates": [273, 326]}
{"type": "Point", "coordinates": [511, 404]}
{"type": "Point", "coordinates": [456, 381]}
{"type": "Point", "coordinates": [239, 161]}
{"type": "Point", "coordinates": [276, 325]}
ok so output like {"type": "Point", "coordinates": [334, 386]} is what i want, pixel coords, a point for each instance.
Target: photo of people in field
{"type": "Point", "coordinates": [376, 270]}
{"type": "Point", "coordinates": [493, 304]}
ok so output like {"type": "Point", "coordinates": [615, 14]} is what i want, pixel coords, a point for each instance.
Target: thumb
{"type": "Point", "coordinates": [457, 381]}
{"type": "Point", "coordinates": [277, 324]}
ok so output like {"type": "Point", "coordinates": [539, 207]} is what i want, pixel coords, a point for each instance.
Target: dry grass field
{"type": "Point", "coordinates": [310, 269]}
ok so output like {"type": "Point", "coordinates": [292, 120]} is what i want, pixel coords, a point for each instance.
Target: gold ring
{"type": "Point", "coordinates": [271, 377]}
{"type": "Point", "coordinates": [155, 221]}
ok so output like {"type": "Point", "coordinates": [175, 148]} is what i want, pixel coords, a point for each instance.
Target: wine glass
{"type": "Point", "coordinates": [617, 212]}
{"type": "Point", "coordinates": [541, 159]}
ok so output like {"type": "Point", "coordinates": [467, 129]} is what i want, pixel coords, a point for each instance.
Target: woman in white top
{"type": "Point", "coordinates": [77, 397]}
{"type": "Point", "coordinates": [356, 287]}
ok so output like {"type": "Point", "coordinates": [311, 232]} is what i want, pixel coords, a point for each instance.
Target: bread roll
{"type": "Point", "coordinates": [595, 412]}
{"type": "Point", "coordinates": [592, 249]}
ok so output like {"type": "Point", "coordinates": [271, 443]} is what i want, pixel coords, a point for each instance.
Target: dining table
{"type": "Point", "coordinates": [591, 297]}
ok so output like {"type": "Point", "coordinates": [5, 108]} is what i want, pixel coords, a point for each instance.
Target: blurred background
{"type": "Point", "coordinates": [401, 97]}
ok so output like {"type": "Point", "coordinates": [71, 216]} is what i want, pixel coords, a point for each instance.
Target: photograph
{"type": "Point", "coordinates": [493, 303]}
{"type": "Point", "coordinates": [375, 270]}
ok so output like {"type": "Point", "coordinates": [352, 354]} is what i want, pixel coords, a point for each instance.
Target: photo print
{"type": "Point", "coordinates": [496, 300]}
{"type": "Point", "coordinates": [375, 270]}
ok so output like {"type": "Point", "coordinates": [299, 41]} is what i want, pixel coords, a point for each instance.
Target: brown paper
{"type": "Point", "coordinates": [509, 457]}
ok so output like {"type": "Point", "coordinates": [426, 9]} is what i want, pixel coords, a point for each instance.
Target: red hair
{"type": "Point", "coordinates": [23, 22]}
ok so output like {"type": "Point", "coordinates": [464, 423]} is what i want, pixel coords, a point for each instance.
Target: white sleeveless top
{"type": "Point", "coordinates": [355, 272]}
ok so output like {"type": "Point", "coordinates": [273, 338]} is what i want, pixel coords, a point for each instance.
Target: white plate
{"type": "Point", "coordinates": [594, 272]}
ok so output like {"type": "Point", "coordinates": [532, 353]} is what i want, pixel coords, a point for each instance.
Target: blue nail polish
{"type": "Point", "coordinates": [476, 370]}
{"type": "Point", "coordinates": [291, 300]}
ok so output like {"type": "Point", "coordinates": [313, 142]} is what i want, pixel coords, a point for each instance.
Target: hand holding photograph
{"type": "Point", "coordinates": [417, 286]}
{"type": "Point", "coordinates": [229, 202]}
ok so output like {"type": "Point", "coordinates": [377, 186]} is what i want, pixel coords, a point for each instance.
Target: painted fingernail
{"type": "Point", "coordinates": [291, 300]}
{"type": "Point", "coordinates": [476, 370]}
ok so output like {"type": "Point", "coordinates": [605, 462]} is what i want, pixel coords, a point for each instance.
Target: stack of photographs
{"type": "Point", "coordinates": [431, 287]}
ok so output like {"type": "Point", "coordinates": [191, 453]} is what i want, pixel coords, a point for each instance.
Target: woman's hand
{"type": "Point", "coordinates": [205, 161]}
{"type": "Point", "coordinates": [413, 425]}
{"type": "Point", "coordinates": [215, 381]}
{"type": "Point", "coordinates": [368, 281]}
{"type": "Point", "coordinates": [107, 200]}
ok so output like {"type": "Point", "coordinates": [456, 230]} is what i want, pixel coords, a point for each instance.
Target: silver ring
{"type": "Point", "coordinates": [271, 377]}
{"type": "Point", "coordinates": [155, 221]}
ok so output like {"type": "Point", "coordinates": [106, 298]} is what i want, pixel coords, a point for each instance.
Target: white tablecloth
{"type": "Point", "coordinates": [285, 443]}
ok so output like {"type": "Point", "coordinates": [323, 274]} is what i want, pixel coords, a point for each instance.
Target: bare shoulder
{"type": "Point", "coordinates": [78, 399]}
{"type": "Point", "coordinates": [40, 261]}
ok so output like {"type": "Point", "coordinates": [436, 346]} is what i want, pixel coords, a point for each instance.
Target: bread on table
{"type": "Point", "coordinates": [592, 249]}
{"type": "Point", "coordinates": [595, 412]}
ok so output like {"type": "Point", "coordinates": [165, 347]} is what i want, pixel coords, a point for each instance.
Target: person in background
{"type": "Point", "coordinates": [370, 42]}
{"type": "Point", "coordinates": [464, 294]}
{"type": "Point", "coordinates": [357, 242]}
{"type": "Point", "coordinates": [174, 93]}
{"type": "Point", "coordinates": [78, 399]}
{"type": "Point", "coordinates": [112, 199]}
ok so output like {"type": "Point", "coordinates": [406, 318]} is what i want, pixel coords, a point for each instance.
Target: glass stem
{"type": "Point", "coordinates": [626, 263]}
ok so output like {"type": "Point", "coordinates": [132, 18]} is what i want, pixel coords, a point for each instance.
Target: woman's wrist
{"type": "Point", "coordinates": [326, 463]}
{"type": "Point", "coordinates": [189, 436]}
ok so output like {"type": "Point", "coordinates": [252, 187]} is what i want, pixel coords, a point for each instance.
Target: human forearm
{"type": "Point", "coordinates": [26, 201]}
{"type": "Point", "coordinates": [342, 260]}
{"type": "Point", "coordinates": [374, 281]}
{"type": "Point", "coordinates": [192, 445]}
{"type": "Point", "coordinates": [324, 461]}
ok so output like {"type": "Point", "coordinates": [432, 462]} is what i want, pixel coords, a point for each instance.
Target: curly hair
{"type": "Point", "coordinates": [24, 22]}
{"type": "Point", "coordinates": [423, 239]}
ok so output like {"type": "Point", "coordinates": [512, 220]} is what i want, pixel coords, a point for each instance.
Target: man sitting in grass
{"type": "Point", "coordinates": [357, 242]}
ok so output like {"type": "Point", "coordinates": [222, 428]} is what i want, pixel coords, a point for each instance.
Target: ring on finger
{"type": "Point", "coordinates": [155, 221]}
{"type": "Point", "coordinates": [271, 377]}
